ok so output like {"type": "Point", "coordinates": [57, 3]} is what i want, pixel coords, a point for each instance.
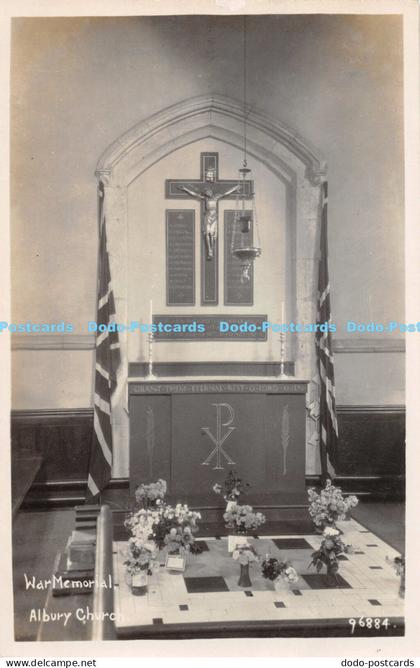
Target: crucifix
{"type": "Point", "coordinates": [209, 190]}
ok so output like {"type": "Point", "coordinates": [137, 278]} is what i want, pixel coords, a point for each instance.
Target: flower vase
{"type": "Point", "coordinates": [244, 580]}
{"type": "Point", "coordinates": [139, 582]}
{"type": "Point", "coordinates": [230, 505]}
{"type": "Point", "coordinates": [331, 576]}
{"type": "Point", "coordinates": [401, 591]}
{"type": "Point", "coordinates": [280, 585]}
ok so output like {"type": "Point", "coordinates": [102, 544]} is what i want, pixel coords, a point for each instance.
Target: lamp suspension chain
{"type": "Point", "coordinates": [242, 245]}
{"type": "Point", "coordinates": [244, 89]}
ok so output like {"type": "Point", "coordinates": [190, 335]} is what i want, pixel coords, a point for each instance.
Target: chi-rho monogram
{"type": "Point", "coordinates": [220, 437]}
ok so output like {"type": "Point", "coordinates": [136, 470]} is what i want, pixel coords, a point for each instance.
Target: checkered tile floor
{"type": "Point", "coordinates": [208, 591]}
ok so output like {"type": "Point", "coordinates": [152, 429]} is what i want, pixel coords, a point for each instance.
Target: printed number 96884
{"type": "Point", "coordinates": [369, 623]}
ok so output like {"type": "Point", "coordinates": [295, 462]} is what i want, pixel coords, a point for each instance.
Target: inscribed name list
{"type": "Point", "coordinates": [180, 268]}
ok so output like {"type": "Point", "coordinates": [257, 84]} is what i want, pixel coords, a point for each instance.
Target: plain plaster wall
{"type": "Point", "coordinates": [78, 84]}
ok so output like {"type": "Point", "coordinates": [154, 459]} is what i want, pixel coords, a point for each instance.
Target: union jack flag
{"type": "Point", "coordinates": [325, 361]}
{"type": "Point", "coordinates": [106, 365]}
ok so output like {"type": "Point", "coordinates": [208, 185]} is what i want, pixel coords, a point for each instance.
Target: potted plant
{"type": "Point", "coordinates": [243, 520]}
{"type": "Point", "coordinates": [245, 555]}
{"type": "Point", "coordinates": [327, 554]}
{"type": "Point", "coordinates": [278, 572]}
{"type": "Point", "coordinates": [329, 506]}
{"type": "Point", "coordinates": [231, 490]}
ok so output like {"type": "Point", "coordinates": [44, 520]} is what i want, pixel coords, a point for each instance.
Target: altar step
{"type": "Point", "coordinates": [280, 526]}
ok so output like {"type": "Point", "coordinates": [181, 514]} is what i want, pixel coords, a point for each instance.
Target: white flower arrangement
{"type": "Point", "coordinates": [290, 575]}
{"type": "Point", "coordinates": [151, 494]}
{"type": "Point", "coordinates": [157, 525]}
{"type": "Point", "coordinates": [245, 554]}
{"type": "Point", "coordinates": [141, 523]}
{"type": "Point", "coordinates": [175, 527]}
{"type": "Point", "coordinates": [329, 505]}
{"type": "Point", "coordinates": [243, 518]}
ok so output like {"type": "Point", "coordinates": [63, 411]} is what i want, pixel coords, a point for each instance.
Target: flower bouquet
{"type": "Point", "coordinates": [327, 554]}
{"type": "Point", "coordinates": [398, 563]}
{"type": "Point", "coordinates": [174, 530]}
{"type": "Point", "coordinates": [141, 523]}
{"type": "Point", "coordinates": [141, 555]}
{"type": "Point", "coordinates": [242, 519]}
{"type": "Point", "coordinates": [245, 555]}
{"type": "Point", "coordinates": [231, 490]}
{"type": "Point", "coordinates": [167, 527]}
{"type": "Point", "coordinates": [150, 496]}
{"type": "Point", "coordinates": [140, 562]}
{"type": "Point", "coordinates": [278, 571]}
{"type": "Point", "coordinates": [329, 505]}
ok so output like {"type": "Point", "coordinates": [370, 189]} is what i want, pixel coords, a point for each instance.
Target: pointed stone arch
{"type": "Point", "coordinates": [214, 116]}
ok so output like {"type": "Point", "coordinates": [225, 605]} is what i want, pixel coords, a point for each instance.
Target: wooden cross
{"type": "Point", "coordinates": [209, 190]}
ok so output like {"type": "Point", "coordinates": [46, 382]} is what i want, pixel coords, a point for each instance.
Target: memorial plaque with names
{"type": "Point", "coordinates": [237, 292]}
{"type": "Point", "coordinates": [180, 251]}
{"type": "Point", "coordinates": [203, 327]}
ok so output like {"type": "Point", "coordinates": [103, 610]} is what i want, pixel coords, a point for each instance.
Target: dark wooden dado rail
{"type": "Point", "coordinates": [371, 453]}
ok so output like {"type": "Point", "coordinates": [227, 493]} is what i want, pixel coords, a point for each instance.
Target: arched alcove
{"type": "Point", "coordinates": [208, 115]}
{"type": "Point", "coordinates": [296, 165]}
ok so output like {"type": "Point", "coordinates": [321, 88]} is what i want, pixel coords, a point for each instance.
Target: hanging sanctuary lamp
{"type": "Point", "coordinates": [245, 221]}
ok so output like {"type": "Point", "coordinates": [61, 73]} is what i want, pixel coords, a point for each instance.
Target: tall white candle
{"type": "Point", "coordinates": [150, 374]}
{"type": "Point", "coordinates": [282, 341]}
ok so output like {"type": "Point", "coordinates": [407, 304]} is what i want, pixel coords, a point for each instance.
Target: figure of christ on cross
{"type": "Point", "coordinates": [209, 190]}
{"type": "Point", "coordinates": [210, 222]}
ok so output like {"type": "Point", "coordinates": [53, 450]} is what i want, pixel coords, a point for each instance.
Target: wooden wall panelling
{"type": "Point", "coordinates": [371, 453]}
{"type": "Point", "coordinates": [371, 440]}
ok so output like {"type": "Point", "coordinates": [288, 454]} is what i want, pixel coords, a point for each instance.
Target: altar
{"type": "Point", "coordinates": [191, 432]}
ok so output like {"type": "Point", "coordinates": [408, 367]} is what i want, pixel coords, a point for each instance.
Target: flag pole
{"type": "Point", "coordinates": [328, 436]}
{"type": "Point", "coordinates": [107, 362]}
